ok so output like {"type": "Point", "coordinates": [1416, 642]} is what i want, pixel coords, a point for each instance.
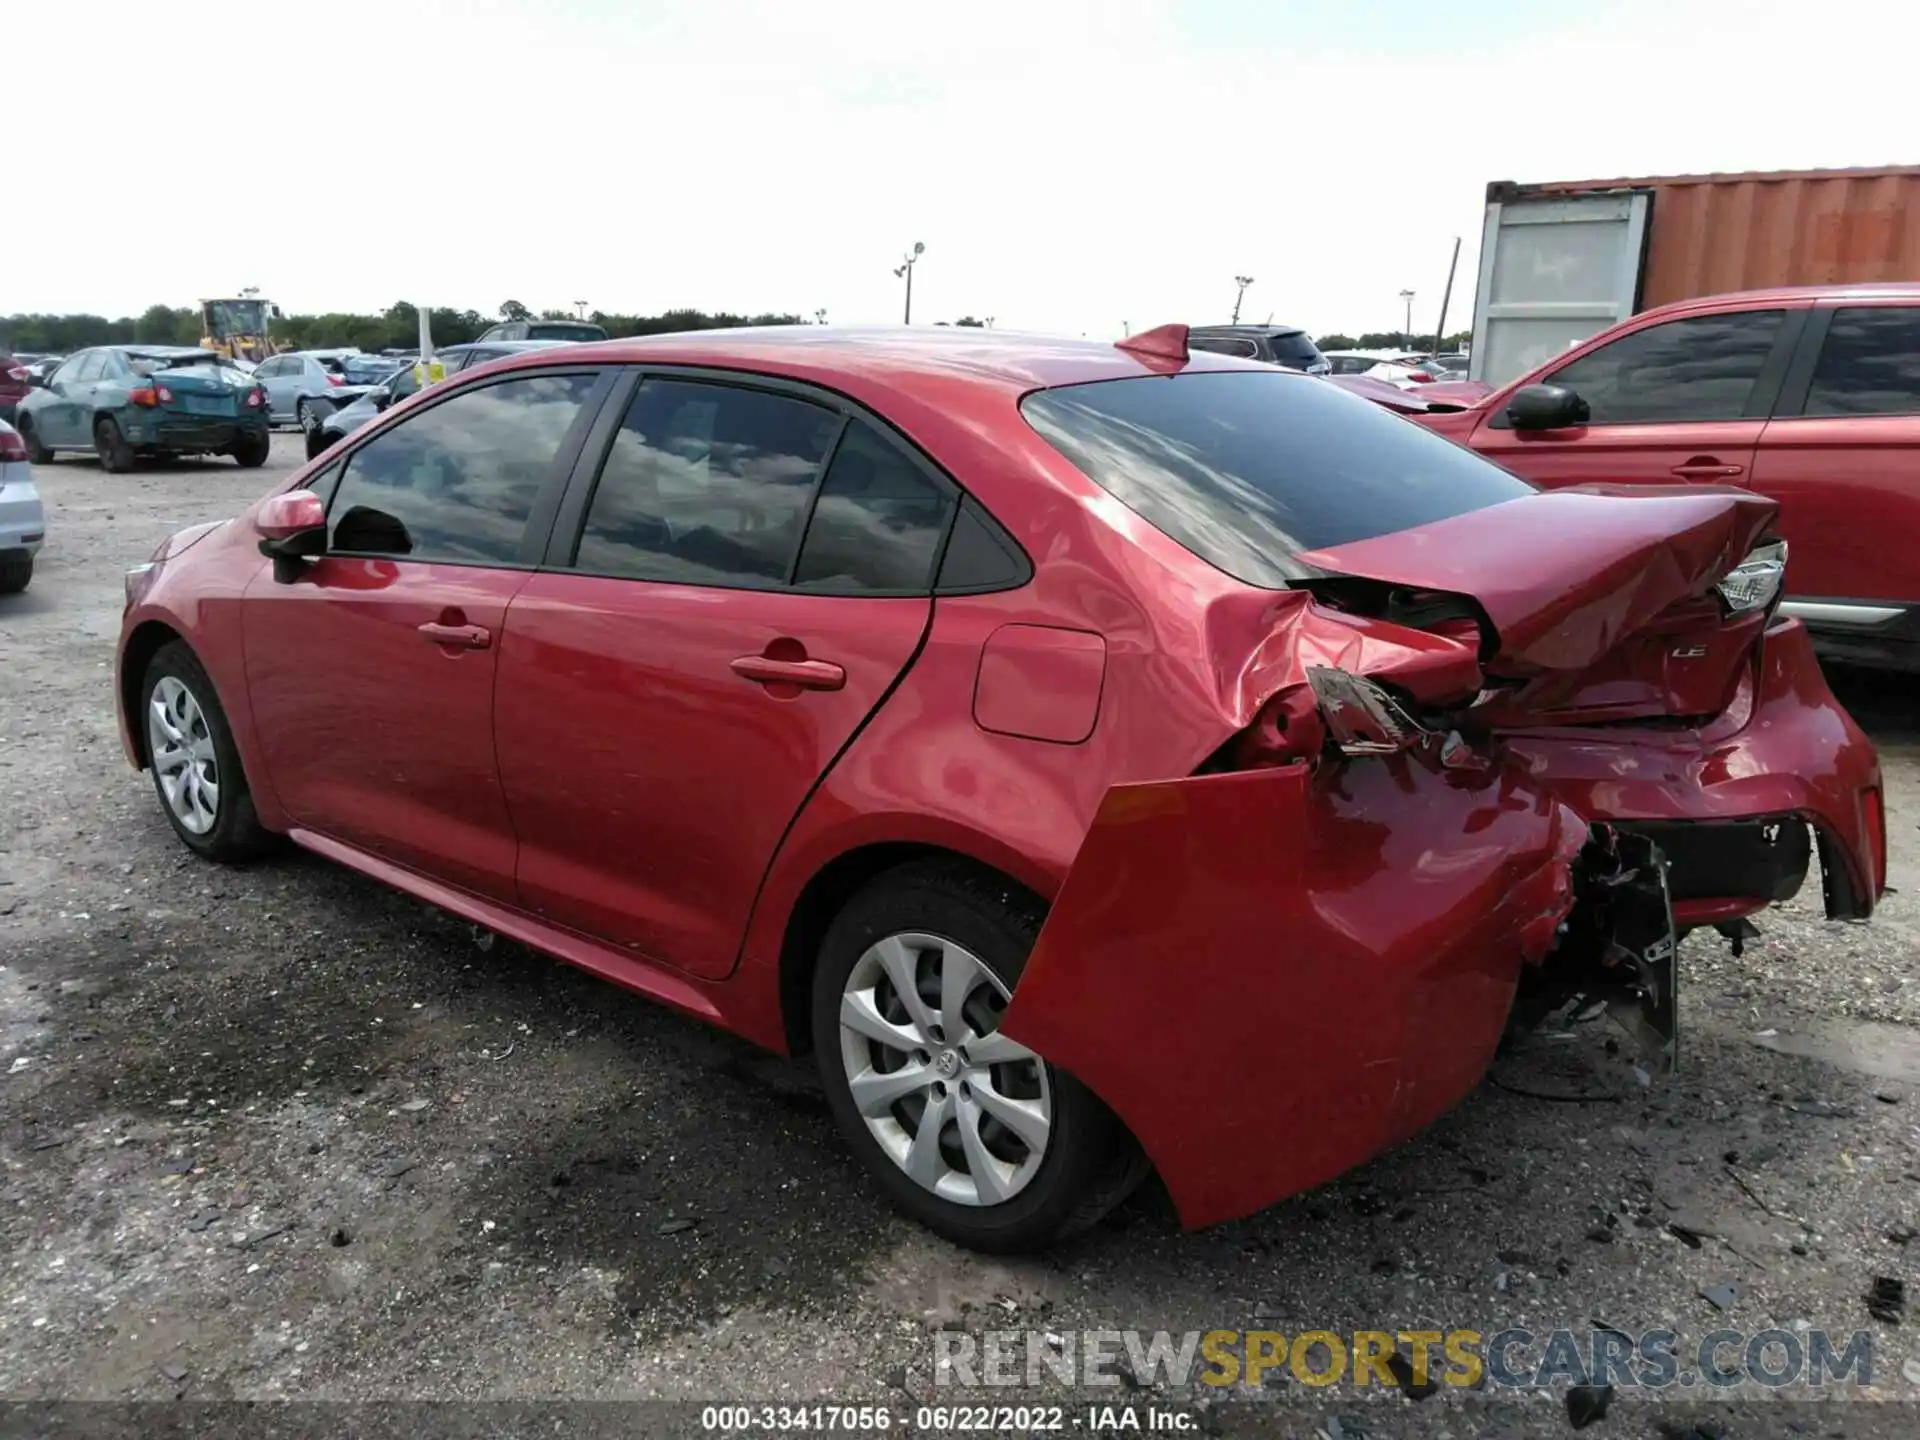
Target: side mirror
{"type": "Point", "coordinates": [381, 397]}
{"type": "Point", "coordinates": [1546, 407]}
{"type": "Point", "coordinates": [37, 381]}
{"type": "Point", "coordinates": [293, 528]}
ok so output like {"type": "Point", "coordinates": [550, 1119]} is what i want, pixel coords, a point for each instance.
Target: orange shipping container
{"type": "Point", "coordinates": [1562, 260]}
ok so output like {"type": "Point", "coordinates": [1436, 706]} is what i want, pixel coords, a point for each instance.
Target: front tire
{"type": "Point", "coordinates": [252, 450]}
{"type": "Point", "coordinates": [971, 1134]}
{"type": "Point", "coordinates": [196, 769]}
{"type": "Point", "coordinates": [116, 456]}
{"type": "Point", "coordinates": [37, 453]}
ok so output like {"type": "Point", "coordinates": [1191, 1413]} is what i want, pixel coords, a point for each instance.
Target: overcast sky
{"type": "Point", "coordinates": [1070, 165]}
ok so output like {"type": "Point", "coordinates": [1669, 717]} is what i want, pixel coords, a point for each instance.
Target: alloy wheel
{"type": "Point", "coordinates": [183, 755]}
{"type": "Point", "coordinates": [965, 1112]}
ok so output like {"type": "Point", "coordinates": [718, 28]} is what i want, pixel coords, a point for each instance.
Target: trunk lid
{"type": "Point", "coordinates": [1593, 603]}
{"type": "Point", "coordinates": [202, 390]}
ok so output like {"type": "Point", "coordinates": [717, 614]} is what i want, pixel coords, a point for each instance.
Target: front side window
{"type": "Point", "coordinates": [92, 366]}
{"type": "Point", "coordinates": [1247, 468]}
{"type": "Point", "coordinates": [705, 485]}
{"type": "Point", "coordinates": [456, 482]}
{"type": "Point", "coordinates": [1702, 368]}
{"type": "Point", "coordinates": [69, 373]}
{"type": "Point", "coordinates": [877, 523]}
{"type": "Point", "coordinates": [1869, 363]}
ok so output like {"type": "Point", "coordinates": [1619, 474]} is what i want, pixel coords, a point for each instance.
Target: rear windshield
{"type": "Point", "coordinates": [565, 332]}
{"type": "Point", "coordinates": [1295, 350]}
{"type": "Point", "coordinates": [1247, 468]}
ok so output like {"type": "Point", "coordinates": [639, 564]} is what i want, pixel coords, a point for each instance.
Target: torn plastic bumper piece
{"type": "Point", "coordinates": [1272, 975]}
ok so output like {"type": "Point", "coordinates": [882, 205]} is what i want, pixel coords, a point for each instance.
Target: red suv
{"type": "Point", "coordinates": [1810, 397]}
{"type": "Point", "coordinates": [1067, 743]}
{"type": "Point", "coordinates": [16, 382]}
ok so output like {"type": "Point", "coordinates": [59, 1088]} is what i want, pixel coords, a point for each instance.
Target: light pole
{"type": "Point", "coordinates": [906, 269]}
{"type": "Point", "coordinates": [580, 307]}
{"type": "Point", "coordinates": [1406, 335]}
{"type": "Point", "coordinates": [819, 317]}
{"type": "Point", "coordinates": [1243, 281]}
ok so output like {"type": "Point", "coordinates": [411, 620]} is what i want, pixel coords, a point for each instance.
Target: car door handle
{"type": "Point", "coordinates": [807, 674]}
{"type": "Point", "coordinates": [1706, 467]}
{"type": "Point", "coordinates": [467, 637]}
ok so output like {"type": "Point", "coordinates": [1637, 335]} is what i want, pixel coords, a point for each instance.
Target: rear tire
{"type": "Point", "coordinates": [116, 456]}
{"type": "Point", "coordinates": [318, 442]}
{"type": "Point", "coordinates": [983, 1183]}
{"type": "Point", "coordinates": [16, 572]}
{"type": "Point", "coordinates": [191, 756]}
{"type": "Point", "coordinates": [252, 451]}
{"type": "Point", "coordinates": [37, 453]}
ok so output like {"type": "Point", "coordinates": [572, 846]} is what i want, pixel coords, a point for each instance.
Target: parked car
{"type": "Point", "coordinates": [292, 379]}
{"type": "Point", "coordinates": [16, 379]}
{"type": "Point", "coordinates": [577, 331]}
{"type": "Point", "coordinates": [368, 369]}
{"type": "Point", "coordinates": [44, 366]}
{"type": "Point", "coordinates": [124, 402]}
{"type": "Point", "coordinates": [1454, 362]}
{"type": "Point", "coordinates": [1395, 367]}
{"type": "Point", "coordinates": [1286, 345]}
{"type": "Point", "coordinates": [23, 524]}
{"type": "Point", "coordinates": [1808, 396]}
{"type": "Point", "coordinates": [356, 406]}
{"type": "Point", "coordinates": [1098, 756]}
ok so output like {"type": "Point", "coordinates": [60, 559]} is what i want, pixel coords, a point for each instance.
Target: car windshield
{"type": "Point", "coordinates": [1296, 350]}
{"type": "Point", "coordinates": [1249, 468]}
{"type": "Point", "coordinates": [227, 318]}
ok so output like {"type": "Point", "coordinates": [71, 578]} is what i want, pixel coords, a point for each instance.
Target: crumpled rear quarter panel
{"type": "Point", "coordinates": [1272, 975]}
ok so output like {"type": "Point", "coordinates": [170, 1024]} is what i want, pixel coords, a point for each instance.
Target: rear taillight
{"type": "Point", "coordinates": [335, 380]}
{"type": "Point", "coordinates": [19, 374]}
{"type": "Point", "coordinates": [256, 397]}
{"type": "Point", "coordinates": [12, 447]}
{"type": "Point", "coordinates": [1420, 377]}
{"type": "Point", "coordinates": [1755, 582]}
{"type": "Point", "coordinates": [143, 395]}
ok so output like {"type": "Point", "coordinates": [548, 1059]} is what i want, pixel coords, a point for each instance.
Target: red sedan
{"type": "Point", "coordinates": [1099, 756]}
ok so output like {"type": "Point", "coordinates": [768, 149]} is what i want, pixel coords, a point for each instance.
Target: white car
{"type": "Point", "coordinates": [23, 524]}
{"type": "Point", "coordinates": [292, 379]}
{"type": "Point", "coordinates": [1403, 368]}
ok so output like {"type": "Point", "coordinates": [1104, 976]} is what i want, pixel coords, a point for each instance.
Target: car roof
{"type": "Point", "coordinates": [891, 361]}
{"type": "Point", "coordinates": [512, 347]}
{"type": "Point", "coordinates": [160, 351]}
{"type": "Point", "coordinates": [1788, 295]}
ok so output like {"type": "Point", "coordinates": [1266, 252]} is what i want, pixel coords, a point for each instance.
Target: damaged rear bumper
{"type": "Point", "coordinates": [1272, 975]}
{"type": "Point", "coordinates": [1721, 801]}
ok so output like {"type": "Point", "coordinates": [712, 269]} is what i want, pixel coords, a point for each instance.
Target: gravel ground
{"type": "Point", "coordinates": [280, 1133]}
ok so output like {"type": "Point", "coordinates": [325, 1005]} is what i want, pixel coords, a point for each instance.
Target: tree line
{"type": "Point", "coordinates": [396, 327]}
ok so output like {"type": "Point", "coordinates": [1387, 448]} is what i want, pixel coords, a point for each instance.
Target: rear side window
{"type": "Point", "coordinates": [1869, 364]}
{"type": "Point", "coordinates": [706, 485]}
{"type": "Point", "coordinates": [456, 482]}
{"type": "Point", "coordinates": [878, 521]}
{"type": "Point", "coordinates": [1295, 350]}
{"type": "Point", "coordinates": [1248, 468]}
{"type": "Point", "coordinates": [1703, 368]}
